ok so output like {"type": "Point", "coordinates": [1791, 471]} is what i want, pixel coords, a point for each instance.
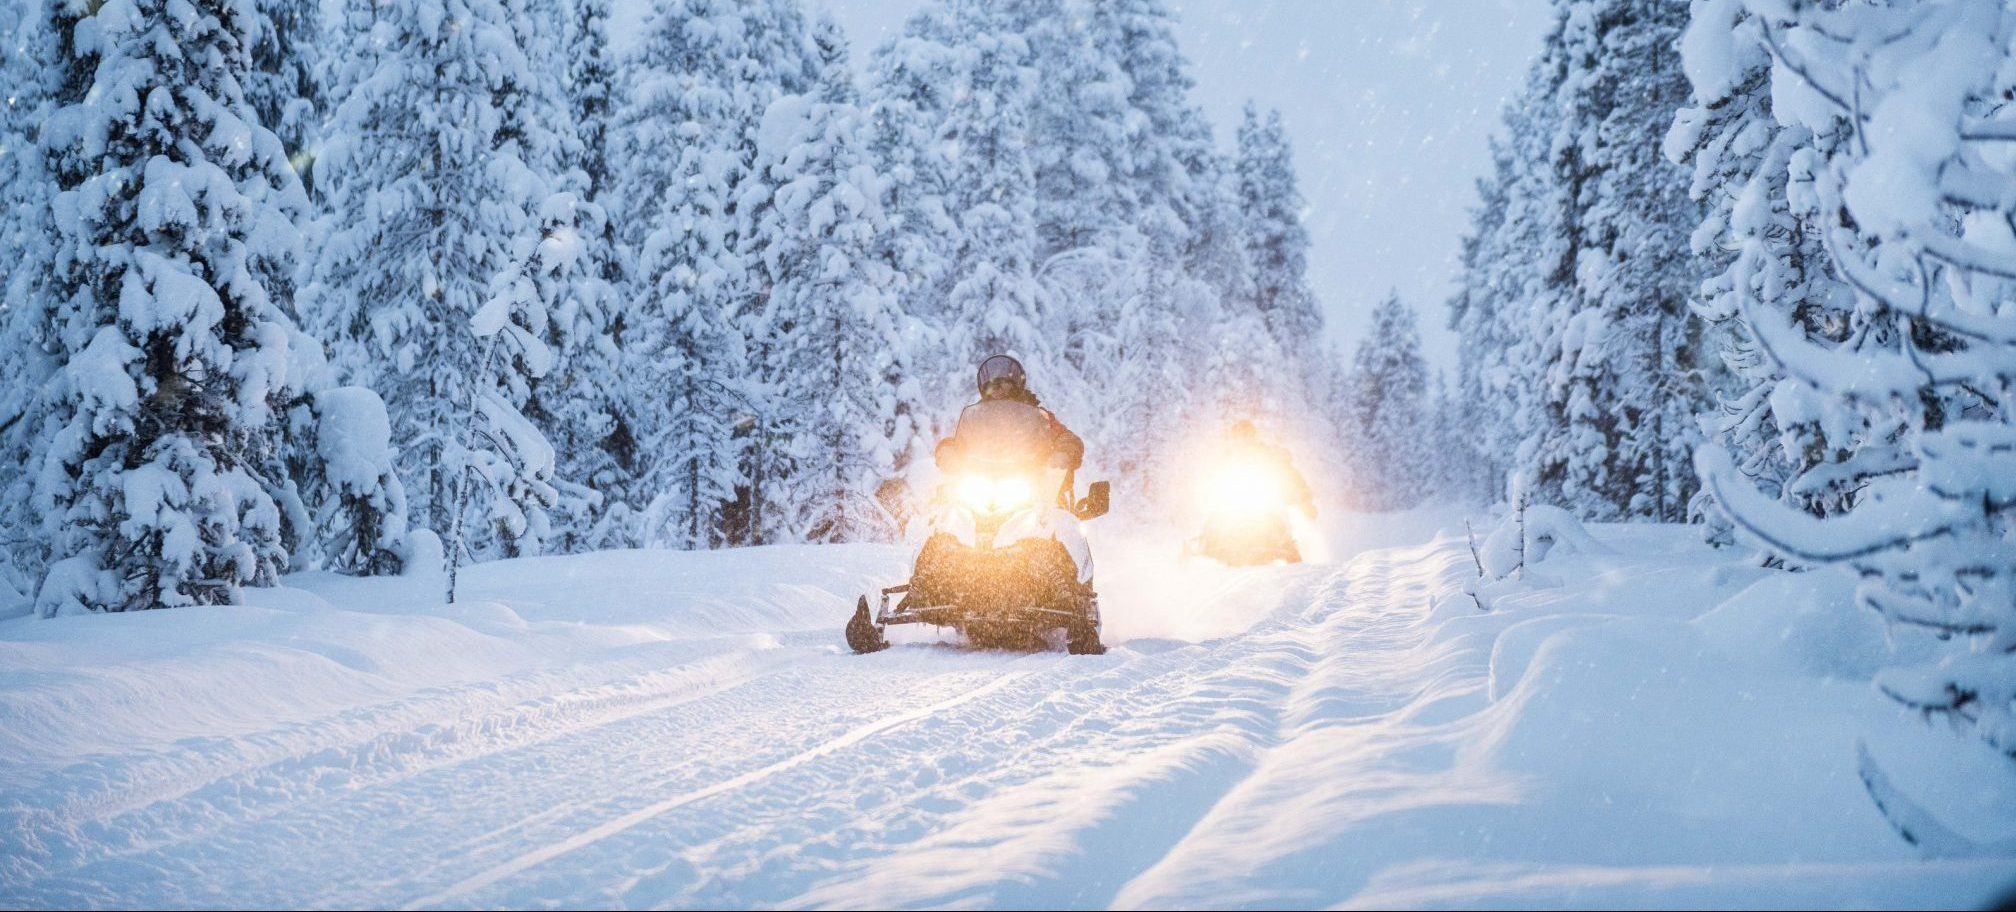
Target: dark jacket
{"type": "Point", "coordinates": [1013, 431]}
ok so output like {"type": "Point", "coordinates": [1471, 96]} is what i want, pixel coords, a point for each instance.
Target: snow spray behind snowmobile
{"type": "Point", "coordinates": [1006, 560]}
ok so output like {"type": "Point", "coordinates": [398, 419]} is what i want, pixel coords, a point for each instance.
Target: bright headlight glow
{"type": "Point", "coordinates": [975, 491]}
{"type": "Point", "coordinates": [985, 494]}
{"type": "Point", "coordinates": [1013, 492]}
{"type": "Point", "coordinates": [1244, 487]}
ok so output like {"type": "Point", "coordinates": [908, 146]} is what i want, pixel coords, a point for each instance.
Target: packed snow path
{"type": "Point", "coordinates": [1273, 737]}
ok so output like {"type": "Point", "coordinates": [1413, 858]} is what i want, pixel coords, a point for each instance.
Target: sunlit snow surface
{"type": "Point", "coordinates": [636, 729]}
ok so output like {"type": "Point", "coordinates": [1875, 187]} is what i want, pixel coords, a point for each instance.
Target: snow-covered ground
{"type": "Point", "coordinates": [1666, 727]}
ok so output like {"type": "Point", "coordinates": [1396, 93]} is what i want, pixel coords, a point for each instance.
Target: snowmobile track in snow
{"type": "Point", "coordinates": [186, 792]}
{"type": "Point", "coordinates": [618, 825]}
{"type": "Point", "coordinates": [754, 771]}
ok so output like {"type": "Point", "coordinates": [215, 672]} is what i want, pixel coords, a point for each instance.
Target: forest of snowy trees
{"type": "Point", "coordinates": [286, 291]}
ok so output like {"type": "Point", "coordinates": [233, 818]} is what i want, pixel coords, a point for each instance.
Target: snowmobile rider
{"type": "Point", "coordinates": [1007, 428]}
{"type": "Point", "coordinates": [1244, 444]}
{"type": "Point", "coordinates": [1004, 393]}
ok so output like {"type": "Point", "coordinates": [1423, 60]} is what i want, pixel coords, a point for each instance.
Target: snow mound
{"type": "Point", "coordinates": [353, 436]}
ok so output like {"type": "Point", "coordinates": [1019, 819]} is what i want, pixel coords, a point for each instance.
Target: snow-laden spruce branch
{"type": "Point", "coordinates": [1874, 267]}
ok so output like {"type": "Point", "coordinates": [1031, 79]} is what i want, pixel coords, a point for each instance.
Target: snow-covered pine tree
{"type": "Point", "coordinates": [426, 192]}
{"type": "Point", "coordinates": [27, 73]}
{"type": "Point", "coordinates": [1089, 253]}
{"type": "Point", "coordinates": [1169, 345]}
{"type": "Point", "coordinates": [1504, 312]}
{"type": "Point", "coordinates": [910, 87]}
{"type": "Point", "coordinates": [1162, 317]}
{"type": "Point", "coordinates": [1217, 276]}
{"type": "Point", "coordinates": [26, 227]}
{"type": "Point", "coordinates": [285, 86]}
{"type": "Point", "coordinates": [176, 220]}
{"type": "Point", "coordinates": [676, 162]}
{"type": "Point", "coordinates": [19, 32]}
{"type": "Point", "coordinates": [591, 81]}
{"type": "Point", "coordinates": [1450, 465]}
{"type": "Point", "coordinates": [1147, 386]}
{"type": "Point", "coordinates": [835, 369]}
{"type": "Point", "coordinates": [1214, 250]}
{"type": "Point", "coordinates": [1241, 377]}
{"type": "Point", "coordinates": [1763, 248]}
{"type": "Point", "coordinates": [343, 505]}
{"type": "Point", "coordinates": [1905, 121]}
{"type": "Point", "coordinates": [591, 91]}
{"type": "Point", "coordinates": [791, 63]}
{"type": "Point", "coordinates": [995, 303]}
{"type": "Point", "coordinates": [1576, 350]}
{"type": "Point", "coordinates": [1166, 136]}
{"type": "Point", "coordinates": [541, 113]}
{"type": "Point", "coordinates": [1277, 252]}
{"type": "Point", "coordinates": [1623, 383]}
{"type": "Point", "coordinates": [896, 435]}
{"type": "Point", "coordinates": [1217, 256]}
{"type": "Point", "coordinates": [502, 463]}
{"type": "Point", "coordinates": [1545, 309]}
{"type": "Point", "coordinates": [699, 82]}
{"type": "Point", "coordinates": [1078, 132]}
{"type": "Point", "coordinates": [1476, 317]}
{"type": "Point", "coordinates": [583, 403]}
{"type": "Point", "coordinates": [1388, 432]}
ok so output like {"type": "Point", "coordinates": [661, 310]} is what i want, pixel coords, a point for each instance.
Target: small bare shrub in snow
{"type": "Point", "coordinates": [1524, 538]}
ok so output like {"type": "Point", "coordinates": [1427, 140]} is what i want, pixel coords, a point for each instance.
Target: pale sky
{"type": "Point", "coordinates": [1388, 103]}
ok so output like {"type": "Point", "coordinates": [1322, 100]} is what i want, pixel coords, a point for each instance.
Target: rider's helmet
{"type": "Point", "coordinates": [1000, 376]}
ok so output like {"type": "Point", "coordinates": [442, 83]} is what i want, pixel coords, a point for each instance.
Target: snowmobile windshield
{"type": "Point", "coordinates": [1004, 435]}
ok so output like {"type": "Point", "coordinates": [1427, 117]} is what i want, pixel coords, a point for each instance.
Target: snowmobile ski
{"type": "Point", "coordinates": [863, 634]}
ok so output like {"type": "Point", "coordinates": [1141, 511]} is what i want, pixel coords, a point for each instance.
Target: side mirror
{"type": "Point", "coordinates": [894, 496]}
{"type": "Point", "coordinates": [1098, 499]}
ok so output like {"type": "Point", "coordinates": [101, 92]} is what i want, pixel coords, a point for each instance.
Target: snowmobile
{"type": "Point", "coordinates": [1247, 541]}
{"type": "Point", "coordinates": [1006, 560]}
{"type": "Point", "coordinates": [1246, 517]}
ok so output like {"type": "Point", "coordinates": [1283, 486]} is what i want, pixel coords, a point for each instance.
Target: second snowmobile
{"type": "Point", "coordinates": [1247, 501]}
{"type": "Point", "coordinates": [1247, 538]}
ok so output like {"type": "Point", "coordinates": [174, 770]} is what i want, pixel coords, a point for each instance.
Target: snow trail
{"type": "Point", "coordinates": [624, 732]}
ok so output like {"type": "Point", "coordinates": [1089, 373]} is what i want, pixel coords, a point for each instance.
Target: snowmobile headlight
{"type": "Point", "coordinates": [991, 495]}
{"type": "Point", "coordinates": [1245, 488]}
{"type": "Point", "coordinates": [1010, 493]}
{"type": "Point", "coordinates": [975, 491]}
